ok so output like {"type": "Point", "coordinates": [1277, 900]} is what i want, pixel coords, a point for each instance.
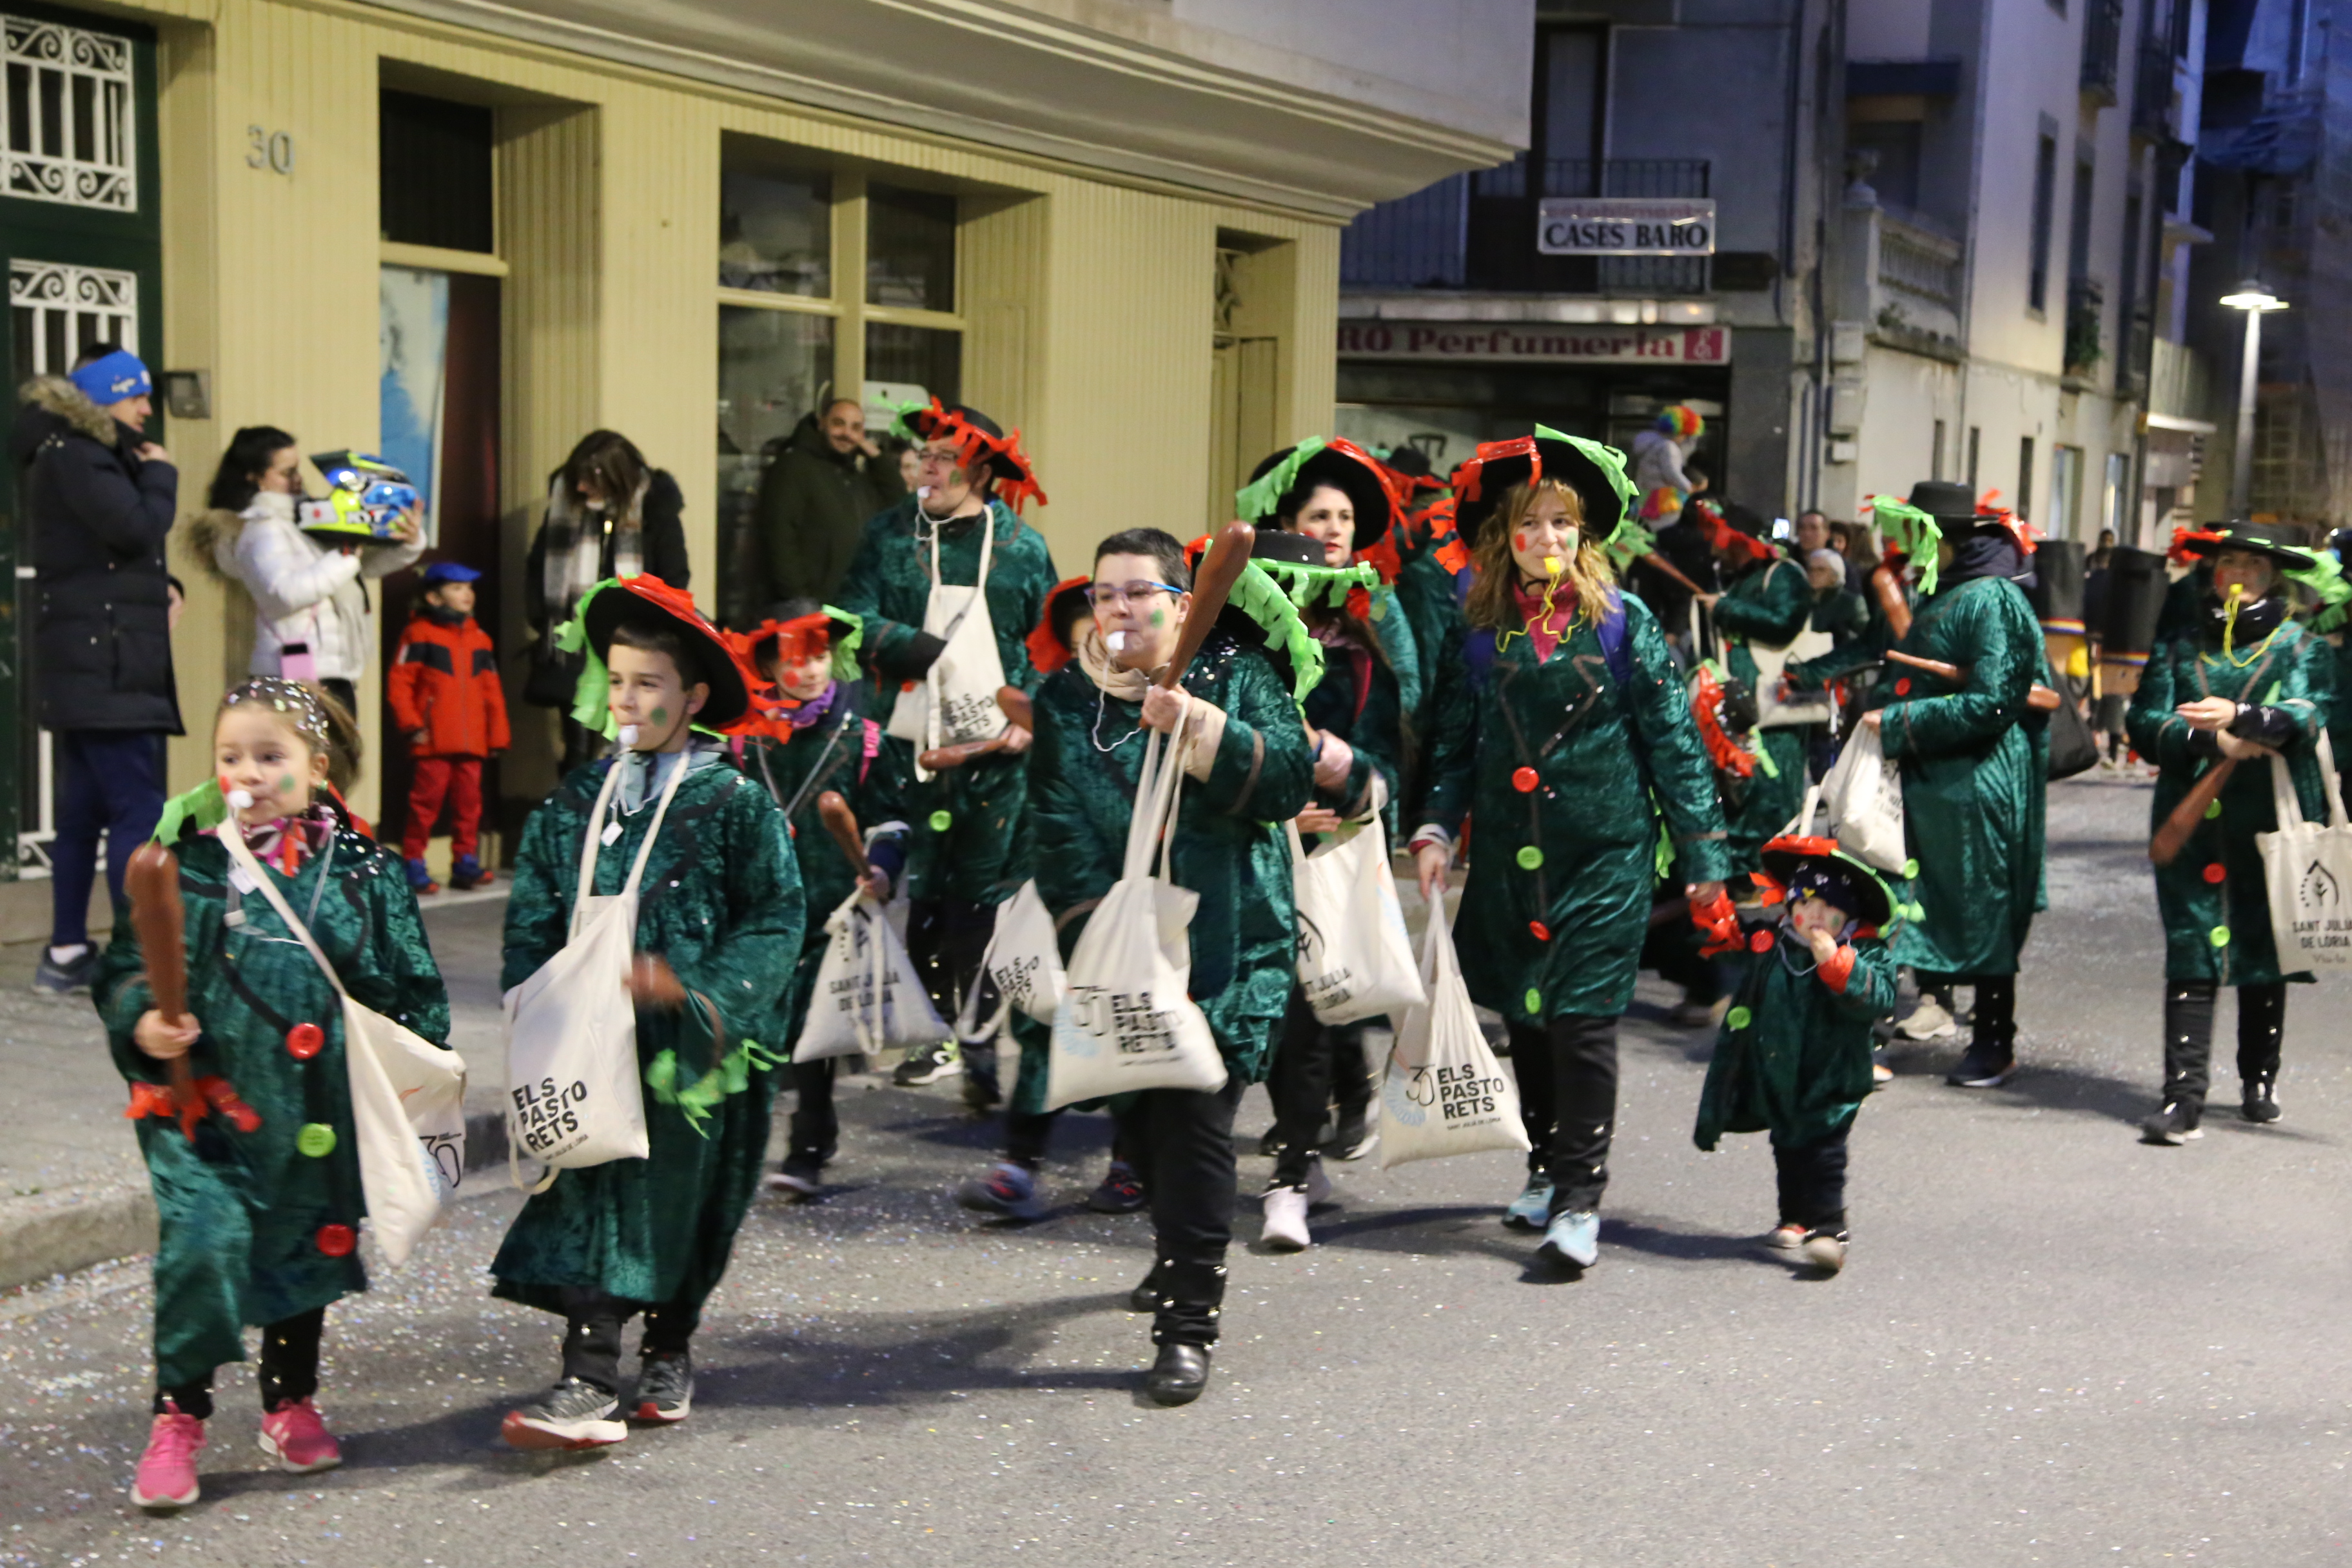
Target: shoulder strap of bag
{"type": "Point", "coordinates": [232, 837]}
{"type": "Point", "coordinates": [2330, 782]}
{"type": "Point", "coordinates": [2288, 804]}
{"type": "Point", "coordinates": [594, 835]}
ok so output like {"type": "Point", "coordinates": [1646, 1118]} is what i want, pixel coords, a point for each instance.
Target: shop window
{"type": "Point", "coordinates": [66, 99]}
{"type": "Point", "coordinates": [915, 357]}
{"type": "Point", "coordinates": [910, 249]}
{"type": "Point", "coordinates": [434, 166]}
{"type": "Point", "coordinates": [775, 233]}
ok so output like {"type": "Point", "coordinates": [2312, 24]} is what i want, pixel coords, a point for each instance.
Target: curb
{"type": "Point", "coordinates": [110, 1222]}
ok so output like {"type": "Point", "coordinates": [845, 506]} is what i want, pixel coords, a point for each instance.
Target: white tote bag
{"type": "Point", "coordinates": [2308, 869]}
{"type": "Point", "coordinates": [1354, 958]}
{"type": "Point", "coordinates": [1126, 1022]}
{"type": "Point", "coordinates": [867, 996]}
{"type": "Point", "coordinates": [955, 701]}
{"type": "Point", "coordinates": [1864, 795]}
{"type": "Point", "coordinates": [408, 1097]}
{"type": "Point", "coordinates": [1024, 958]}
{"type": "Point", "coordinates": [1443, 1092]}
{"type": "Point", "coordinates": [572, 1094]}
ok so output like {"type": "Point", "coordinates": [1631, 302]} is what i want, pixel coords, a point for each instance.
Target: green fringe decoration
{"type": "Point", "coordinates": [1914, 532]}
{"type": "Point", "coordinates": [898, 425]}
{"type": "Point", "coordinates": [1262, 495]}
{"type": "Point", "coordinates": [1257, 596]}
{"type": "Point", "coordinates": [590, 706]}
{"type": "Point", "coordinates": [1630, 542]}
{"type": "Point", "coordinates": [732, 1075]}
{"type": "Point", "coordinates": [1663, 859]}
{"type": "Point", "coordinates": [1330, 584]}
{"type": "Point", "coordinates": [204, 806]}
{"type": "Point", "coordinates": [845, 650]}
{"type": "Point", "coordinates": [2325, 578]}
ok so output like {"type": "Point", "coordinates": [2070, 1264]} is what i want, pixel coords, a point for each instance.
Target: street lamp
{"type": "Point", "coordinates": [2256, 302]}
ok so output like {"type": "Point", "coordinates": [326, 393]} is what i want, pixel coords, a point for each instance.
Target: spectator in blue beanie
{"type": "Point", "coordinates": [98, 499]}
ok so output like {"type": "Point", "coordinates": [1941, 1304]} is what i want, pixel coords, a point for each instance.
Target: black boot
{"type": "Point", "coordinates": [1992, 1055]}
{"type": "Point", "coordinates": [1180, 1374]}
{"type": "Point", "coordinates": [2261, 1025]}
{"type": "Point", "coordinates": [2188, 1058]}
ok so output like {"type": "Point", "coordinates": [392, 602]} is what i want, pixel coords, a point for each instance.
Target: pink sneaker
{"type": "Point", "coordinates": [167, 1470]}
{"type": "Point", "coordinates": [300, 1440]}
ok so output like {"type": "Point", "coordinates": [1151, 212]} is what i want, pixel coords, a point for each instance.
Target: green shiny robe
{"type": "Point", "coordinates": [1797, 1065]}
{"type": "Point", "coordinates": [877, 787]}
{"type": "Point", "coordinates": [239, 1212]}
{"type": "Point", "coordinates": [2220, 930]}
{"type": "Point", "coordinates": [722, 903]}
{"type": "Point", "coordinates": [1769, 604]}
{"type": "Point", "coordinates": [1426, 599]}
{"type": "Point", "coordinates": [1975, 762]}
{"type": "Point", "coordinates": [1577, 853]}
{"type": "Point", "coordinates": [1228, 844]}
{"type": "Point", "coordinates": [1362, 700]}
{"type": "Point", "coordinates": [977, 806]}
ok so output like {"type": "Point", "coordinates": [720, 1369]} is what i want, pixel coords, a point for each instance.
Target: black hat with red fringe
{"type": "Point", "coordinates": [979, 440]}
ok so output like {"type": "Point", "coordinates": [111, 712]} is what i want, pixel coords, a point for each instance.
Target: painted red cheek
{"type": "Point", "coordinates": [1518, 542]}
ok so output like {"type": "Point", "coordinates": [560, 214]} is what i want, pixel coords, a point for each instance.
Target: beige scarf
{"type": "Point", "coordinates": [1204, 721]}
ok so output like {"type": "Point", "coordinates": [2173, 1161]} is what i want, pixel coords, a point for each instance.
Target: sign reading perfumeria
{"type": "Point", "coordinates": [1535, 340]}
{"type": "Point", "coordinates": [1625, 225]}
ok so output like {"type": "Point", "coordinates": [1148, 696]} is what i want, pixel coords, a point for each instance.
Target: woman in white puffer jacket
{"type": "Point", "coordinates": [311, 603]}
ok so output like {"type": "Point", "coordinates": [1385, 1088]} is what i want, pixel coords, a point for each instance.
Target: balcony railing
{"type": "Point", "coordinates": [2155, 105]}
{"type": "Point", "coordinates": [2103, 42]}
{"type": "Point", "coordinates": [2085, 314]}
{"type": "Point", "coordinates": [1921, 264]}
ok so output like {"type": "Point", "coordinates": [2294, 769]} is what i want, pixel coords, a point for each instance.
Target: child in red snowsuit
{"type": "Point", "coordinates": [445, 698]}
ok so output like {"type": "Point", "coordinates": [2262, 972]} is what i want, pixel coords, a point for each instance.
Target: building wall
{"type": "Point", "coordinates": [1088, 301]}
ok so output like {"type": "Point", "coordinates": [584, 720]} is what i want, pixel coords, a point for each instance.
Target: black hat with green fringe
{"type": "Point", "coordinates": [1284, 574]}
{"type": "Point", "coordinates": [1596, 473]}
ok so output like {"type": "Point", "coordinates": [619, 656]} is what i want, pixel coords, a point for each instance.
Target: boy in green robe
{"type": "Point", "coordinates": [972, 481]}
{"type": "Point", "coordinates": [1793, 1058]}
{"type": "Point", "coordinates": [1248, 770]}
{"type": "Point", "coordinates": [719, 929]}
{"type": "Point", "coordinates": [813, 737]}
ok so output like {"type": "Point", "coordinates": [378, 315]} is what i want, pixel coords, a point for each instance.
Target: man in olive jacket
{"type": "Point", "coordinates": [98, 499]}
{"type": "Point", "coordinates": [814, 500]}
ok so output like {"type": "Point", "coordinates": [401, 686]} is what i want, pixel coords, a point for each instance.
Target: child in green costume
{"type": "Point", "coordinates": [717, 931]}
{"type": "Point", "coordinates": [1793, 1058]}
{"type": "Point", "coordinates": [814, 737]}
{"type": "Point", "coordinates": [259, 1211]}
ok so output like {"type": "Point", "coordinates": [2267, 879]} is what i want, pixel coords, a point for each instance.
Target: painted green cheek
{"type": "Point", "coordinates": [661, 715]}
{"type": "Point", "coordinates": [1158, 617]}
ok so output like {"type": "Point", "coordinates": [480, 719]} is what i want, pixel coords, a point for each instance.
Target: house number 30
{"type": "Point", "coordinates": [270, 150]}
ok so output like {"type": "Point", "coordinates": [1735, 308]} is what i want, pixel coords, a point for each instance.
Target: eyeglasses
{"type": "Point", "coordinates": [1103, 595]}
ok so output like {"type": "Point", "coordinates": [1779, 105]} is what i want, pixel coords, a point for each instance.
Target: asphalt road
{"type": "Point", "coordinates": [2053, 1344]}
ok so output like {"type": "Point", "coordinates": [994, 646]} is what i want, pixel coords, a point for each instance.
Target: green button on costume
{"type": "Point", "coordinates": [1974, 762]}
{"type": "Point", "coordinates": [2219, 930]}
{"type": "Point", "coordinates": [239, 1212]}
{"type": "Point", "coordinates": [721, 902]}
{"type": "Point", "coordinates": [1602, 749]}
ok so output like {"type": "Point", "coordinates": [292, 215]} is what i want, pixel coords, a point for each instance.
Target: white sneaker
{"type": "Point", "coordinates": [1929, 1021]}
{"type": "Point", "coordinates": [1318, 1185]}
{"type": "Point", "coordinates": [1286, 1220]}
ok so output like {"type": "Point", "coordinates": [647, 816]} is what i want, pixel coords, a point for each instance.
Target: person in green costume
{"type": "Point", "coordinates": [1325, 503]}
{"type": "Point", "coordinates": [1767, 601]}
{"type": "Point", "coordinates": [1793, 1057]}
{"type": "Point", "coordinates": [719, 929]}
{"type": "Point", "coordinates": [2331, 619]}
{"type": "Point", "coordinates": [1249, 768]}
{"type": "Point", "coordinates": [1009, 1189]}
{"type": "Point", "coordinates": [903, 586]}
{"type": "Point", "coordinates": [1562, 727]}
{"type": "Point", "coordinates": [1974, 760]}
{"type": "Point", "coordinates": [811, 736]}
{"type": "Point", "coordinates": [2248, 683]}
{"type": "Point", "coordinates": [258, 1210]}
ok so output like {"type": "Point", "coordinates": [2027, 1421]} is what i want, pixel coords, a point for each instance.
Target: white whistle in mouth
{"type": "Point", "coordinates": [240, 800]}
{"type": "Point", "coordinates": [1116, 641]}
{"type": "Point", "coordinates": [628, 734]}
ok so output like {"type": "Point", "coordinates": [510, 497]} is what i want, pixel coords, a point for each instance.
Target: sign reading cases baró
{"type": "Point", "coordinates": [1625, 225]}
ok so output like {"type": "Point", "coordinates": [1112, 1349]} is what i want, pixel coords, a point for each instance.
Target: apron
{"type": "Point", "coordinates": [956, 701]}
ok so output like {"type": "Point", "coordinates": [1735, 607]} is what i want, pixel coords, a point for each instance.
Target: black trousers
{"type": "Point", "coordinates": [815, 1126]}
{"type": "Point", "coordinates": [947, 938]}
{"type": "Point", "coordinates": [1314, 1064]}
{"type": "Point", "coordinates": [1812, 1181]}
{"type": "Point", "coordinates": [1026, 1134]}
{"type": "Point", "coordinates": [1183, 1142]}
{"type": "Point", "coordinates": [290, 1368]}
{"type": "Point", "coordinates": [1996, 1004]}
{"type": "Point", "coordinates": [1567, 1100]}
{"type": "Point", "coordinates": [591, 1335]}
{"type": "Point", "coordinates": [2188, 1036]}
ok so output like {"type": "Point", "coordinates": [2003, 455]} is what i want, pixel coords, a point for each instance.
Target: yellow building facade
{"type": "Point", "coordinates": [1150, 331]}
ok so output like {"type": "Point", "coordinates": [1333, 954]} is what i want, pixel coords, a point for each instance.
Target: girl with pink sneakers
{"type": "Point", "coordinates": [239, 1092]}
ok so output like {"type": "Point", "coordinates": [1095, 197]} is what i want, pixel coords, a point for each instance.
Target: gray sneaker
{"type": "Point", "coordinates": [666, 1387]}
{"type": "Point", "coordinates": [51, 978]}
{"type": "Point", "coordinates": [572, 1415]}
